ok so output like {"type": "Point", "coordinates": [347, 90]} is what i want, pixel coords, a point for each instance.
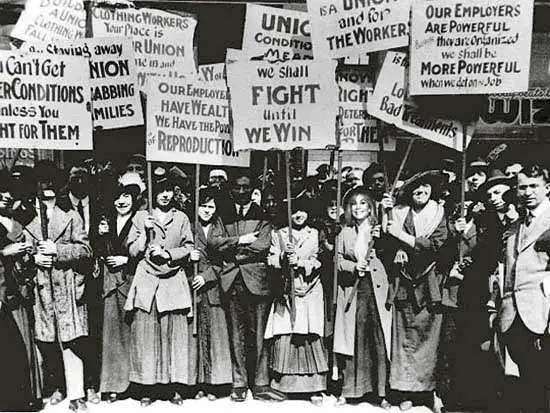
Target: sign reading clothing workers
{"type": "Point", "coordinates": [113, 75]}
{"type": "Point", "coordinates": [188, 121]}
{"type": "Point", "coordinates": [275, 34]}
{"type": "Point", "coordinates": [283, 105]}
{"type": "Point", "coordinates": [342, 28]}
{"type": "Point", "coordinates": [388, 103]}
{"type": "Point", "coordinates": [51, 20]}
{"type": "Point", "coordinates": [163, 42]}
{"type": "Point", "coordinates": [470, 47]}
{"type": "Point", "coordinates": [44, 102]}
{"type": "Point", "coordinates": [358, 129]}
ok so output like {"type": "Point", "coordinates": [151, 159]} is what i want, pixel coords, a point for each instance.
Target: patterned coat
{"type": "Point", "coordinates": [73, 255]}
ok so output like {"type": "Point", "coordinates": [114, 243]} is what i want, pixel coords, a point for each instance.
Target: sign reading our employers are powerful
{"type": "Point", "coordinates": [44, 102]}
{"type": "Point", "coordinates": [284, 105]}
{"type": "Point", "coordinates": [188, 121]}
{"type": "Point", "coordinates": [470, 47]}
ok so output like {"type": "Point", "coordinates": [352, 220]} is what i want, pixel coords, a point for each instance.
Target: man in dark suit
{"type": "Point", "coordinates": [524, 313]}
{"type": "Point", "coordinates": [246, 289]}
{"type": "Point", "coordinates": [80, 198]}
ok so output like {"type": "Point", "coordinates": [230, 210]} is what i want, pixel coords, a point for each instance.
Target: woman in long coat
{"type": "Point", "coordinates": [117, 269]}
{"type": "Point", "coordinates": [418, 231]}
{"type": "Point", "coordinates": [162, 348]}
{"type": "Point", "coordinates": [362, 327]}
{"type": "Point", "coordinates": [298, 356]}
{"type": "Point", "coordinates": [214, 357]}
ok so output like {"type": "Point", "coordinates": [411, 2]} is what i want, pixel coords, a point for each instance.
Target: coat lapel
{"type": "Point", "coordinates": [34, 228]}
{"type": "Point", "coordinates": [539, 225]}
{"type": "Point", "coordinates": [58, 223]}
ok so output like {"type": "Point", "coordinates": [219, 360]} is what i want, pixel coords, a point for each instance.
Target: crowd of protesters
{"type": "Point", "coordinates": [110, 292]}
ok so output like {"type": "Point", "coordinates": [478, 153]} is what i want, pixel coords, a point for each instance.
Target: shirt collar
{"type": "Point", "coordinates": [74, 200]}
{"type": "Point", "coordinates": [245, 207]}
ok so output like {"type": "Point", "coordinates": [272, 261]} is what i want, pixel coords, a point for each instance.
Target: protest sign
{"type": "Point", "coordinates": [358, 129]}
{"type": "Point", "coordinates": [44, 102]}
{"type": "Point", "coordinates": [352, 27]}
{"type": "Point", "coordinates": [460, 47]}
{"type": "Point", "coordinates": [51, 20]}
{"type": "Point", "coordinates": [113, 76]}
{"type": "Point", "coordinates": [283, 105]}
{"type": "Point", "coordinates": [163, 42]}
{"type": "Point", "coordinates": [213, 73]}
{"type": "Point", "coordinates": [388, 103]}
{"type": "Point", "coordinates": [275, 34]}
{"type": "Point", "coordinates": [188, 121]}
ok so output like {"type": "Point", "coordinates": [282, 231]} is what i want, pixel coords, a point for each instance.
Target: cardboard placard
{"type": "Point", "coordinates": [188, 121]}
{"type": "Point", "coordinates": [470, 47]}
{"type": "Point", "coordinates": [388, 103]}
{"type": "Point", "coordinates": [355, 27]}
{"type": "Point", "coordinates": [283, 105]}
{"type": "Point", "coordinates": [276, 34]}
{"type": "Point", "coordinates": [163, 42]}
{"type": "Point", "coordinates": [44, 102]}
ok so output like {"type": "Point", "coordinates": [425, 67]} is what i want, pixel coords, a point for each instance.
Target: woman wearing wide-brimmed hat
{"type": "Point", "coordinates": [162, 345]}
{"type": "Point", "coordinates": [117, 268]}
{"type": "Point", "coordinates": [362, 326]}
{"type": "Point", "coordinates": [418, 231]}
{"type": "Point", "coordinates": [298, 357]}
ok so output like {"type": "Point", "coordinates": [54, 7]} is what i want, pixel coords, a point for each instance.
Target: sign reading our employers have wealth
{"type": "Point", "coordinates": [276, 34]}
{"type": "Point", "coordinates": [113, 76]}
{"type": "Point", "coordinates": [163, 42]}
{"type": "Point", "coordinates": [388, 103]}
{"type": "Point", "coordinates": [342, 28]}
{"type": "Point", "coordinates": [283, 105]}
{"type": "Point", "coordinates": [470, 47]}
{"type": "Point", "coordinates": [44, 102]}
{"type": "Point", "coordinates": [188, 121]}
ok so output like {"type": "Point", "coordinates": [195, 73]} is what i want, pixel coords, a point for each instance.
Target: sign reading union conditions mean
{"type": "Point", "coordinates": [284, 105]}
{"type": "Point", "coordinates": [470, 46]}
{"type": "Point", "coordinates": [115, 96]}
{"type": "Point", "coordinates": [188, 121]}
{"type": "Point", "coordinates": [276, 34]}
{"type": "Point", "coordinates": [163, 42]}
{"type": "Point", "coordinates": [388, 103]}
{"type": "Point", "coordinates": [342, 28]}
{"type": "Point", "coordinates": [44, 102]}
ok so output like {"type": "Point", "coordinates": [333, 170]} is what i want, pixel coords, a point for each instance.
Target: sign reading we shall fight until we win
{"type": "Point", "coordinates": [284, 105]}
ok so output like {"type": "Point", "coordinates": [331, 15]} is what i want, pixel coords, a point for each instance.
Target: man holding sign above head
{"type": "Point", "coordinates": [244, 249]}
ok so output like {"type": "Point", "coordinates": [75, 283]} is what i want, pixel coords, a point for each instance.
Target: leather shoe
{"type": "Point", "coordinates": [406, 405]}
{"type": "Point", "coordinates": [267, 393]}
{"type": "Point", "coordinates": [239, 394]}
{"type": "Point", "coordinates": [384, 404]}
{"type": "Point", "coordinates": [145, 402]}
{"type": "Point", "coordinates": [113, 397]}
{"type": "Point", "coordinates": [177, 399]}
{"type": "Point", "coordinates": [56, 398]}
{"type": "Point", "coordinates": [212, 397]}
{"type": "Point", "coordinates": [93, 396]}
{"type": "Point", "coordinates": [78, 405]}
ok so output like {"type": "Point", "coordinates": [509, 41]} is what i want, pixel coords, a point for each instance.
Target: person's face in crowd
{"type": "Point", "coordinates": [6, 200]}
{"type": "Point", "coordinates": [207, 211]}
{"type": "Point", "coordinates": [79, 182]}
{"type": "Point", "coordinates": [299, 218]}
{"type": "Point", "coordinates": [531, 191]}
{"type": "Point", "coordinates": [165, 197]}
{"type": "Point", "coordinates": [513, 170]}
{"type": "Point", "coordinates": [123, 204]}
{"type": "Point", "coordinates": [217, 181]}
{"type": "Point", "coordinates": [136, 167]}
{"type": "Point", "coordinates": [494, 197]}
{"type": "Point", "coordinates": [354, 178]}
{"type": "Point", "coordinates": [476, 179]}
{"type": "Point", "coordinates": [421, 195]}
{"type": "Point", "coordinates": [333, 210]}
{"type": "Point", "coordinates": [378, 182]}
{"type": "Point", "coordinates": [242, 190]}
{"type": "Point", "coordinates": [360, 208]}
{"type": "Point", "coordinates": [270, 205]}
{"type": "Point", "coordinates": [256, 196]}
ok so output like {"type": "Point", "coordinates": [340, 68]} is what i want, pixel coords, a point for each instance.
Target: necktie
{"type": "Point", "coordinates": [240, 214]}
{"type": "Point", "coordinates": [80, 209]}
{"type": "Point", "coordinates": [528, 219]}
